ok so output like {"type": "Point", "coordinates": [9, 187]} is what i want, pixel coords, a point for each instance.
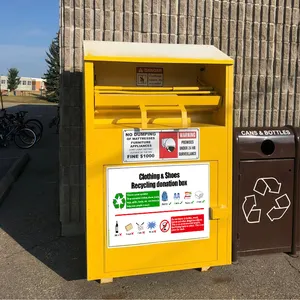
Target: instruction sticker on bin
{"type": "Point", "coordinates": [149, 76]}
{"type": "Point", "coordinates": [157, 145]}
{"type": "Point", "coordinates": [156, 204]}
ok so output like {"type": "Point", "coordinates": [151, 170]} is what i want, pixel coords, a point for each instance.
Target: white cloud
{"type": "Point", "coordinates": [29, 60]}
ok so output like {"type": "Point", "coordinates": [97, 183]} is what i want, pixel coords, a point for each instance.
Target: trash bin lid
{"type": "Point", "coordinates": [264, 142]}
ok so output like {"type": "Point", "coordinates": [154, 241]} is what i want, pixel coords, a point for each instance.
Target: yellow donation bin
{"type": "Point", "coordinates": [158, 144]}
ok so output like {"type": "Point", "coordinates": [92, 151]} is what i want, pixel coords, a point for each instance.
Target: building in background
{"type": "Point", "coordinates": [263, 38]}
{"type": "Point", "coordinates": [27, 84]}
{"type": "Point", "coordinates": [38, 84]}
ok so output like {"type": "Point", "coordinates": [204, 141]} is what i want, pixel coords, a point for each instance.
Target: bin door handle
{"type": "Point", "coordinates": [144, 116]}
{"type": "Point", "coordinates": [145, 108]}
{"type": "Point", "coordinates": [218, 212]}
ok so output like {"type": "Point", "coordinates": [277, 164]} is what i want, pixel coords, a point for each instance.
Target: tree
{"type": "Point", "coordinates": [52, 74]}
{"type": "Point", "coordinates": [13, 79]}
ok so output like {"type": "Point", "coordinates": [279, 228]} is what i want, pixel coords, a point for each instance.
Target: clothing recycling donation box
{"type": "Point", "coordinates": [158, 144]}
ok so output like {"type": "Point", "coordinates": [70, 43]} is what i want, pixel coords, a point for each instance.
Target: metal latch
{"type": "Point", "coordinates": [218, 212]}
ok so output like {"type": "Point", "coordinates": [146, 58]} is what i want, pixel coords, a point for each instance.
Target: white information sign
{"type": "Point", "coordinates": [157, 145]}
{"type": "Point", "coordinates": [157, 204]}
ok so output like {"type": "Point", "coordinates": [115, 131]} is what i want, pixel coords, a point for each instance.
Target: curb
{"type": "Point", "coordinates": [12, 175]}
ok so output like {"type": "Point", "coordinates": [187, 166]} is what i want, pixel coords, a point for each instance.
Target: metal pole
{"type": "Point", "coordinates": [2, 107]}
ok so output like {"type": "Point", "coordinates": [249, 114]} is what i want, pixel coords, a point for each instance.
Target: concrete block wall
{"type": "Point", "coordinates": [261, 35]}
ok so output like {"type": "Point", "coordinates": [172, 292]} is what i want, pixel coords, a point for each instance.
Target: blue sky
{"type": "Point", "coordinates": [26, 31]}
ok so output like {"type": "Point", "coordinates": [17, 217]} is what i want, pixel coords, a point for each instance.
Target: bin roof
{"type": "Point", "coordinates": [153, 52]}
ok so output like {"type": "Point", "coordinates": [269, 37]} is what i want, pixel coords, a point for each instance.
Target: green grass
{"type": "Point", "coordinates": [24, 99]}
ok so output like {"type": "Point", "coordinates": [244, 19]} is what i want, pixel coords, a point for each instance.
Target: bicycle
{"type": "Point", "coordinates": [23, 137]}
{"type": "Point", "coordinates": [35, 125]}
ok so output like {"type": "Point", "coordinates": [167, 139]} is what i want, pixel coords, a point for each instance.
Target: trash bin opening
{"type": "Point", "coordinates": [267, 147]}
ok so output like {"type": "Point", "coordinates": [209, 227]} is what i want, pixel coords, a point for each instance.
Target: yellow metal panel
{"type": "Point", "coordinates": [131, 121]}
{"type": "Point", "coordinates": [123, 101]}
{"type": "Point", "coordinates": [156, 60]}
{"type": "Point", "coordinates": [125, 74]}
{"type": "Point", "coordinates": [200, 253]}
{"type": "Point", "coordinates": [229, 125]}
{"type": "Point", "coordinates": [156, 93]}
{"type": "Point", "coordinates": [140, 88]}
{"type": "Point", "coordinates": [107, 114]}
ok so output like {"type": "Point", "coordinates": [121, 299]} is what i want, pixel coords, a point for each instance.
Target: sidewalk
{"type": "Point", "coordinates": [35, 262]}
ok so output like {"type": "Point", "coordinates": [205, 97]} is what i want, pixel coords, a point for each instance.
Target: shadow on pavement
{"type": "Point", "coordinates": [5, 164]}
{"type": "Point", "coordinates": [30, 213]}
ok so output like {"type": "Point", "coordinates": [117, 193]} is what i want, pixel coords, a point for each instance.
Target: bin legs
{"type": "Point", "coordinates": [106, 280]}
{"type": "Point", "coordinates": [203, 269]}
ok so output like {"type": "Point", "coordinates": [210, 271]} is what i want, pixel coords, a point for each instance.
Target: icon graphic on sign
{"type": "Point", "coordinates": [117, 227]}
{"type": "Point", "coordinates": [176, 196]}
{"type": "Point", "coordinates": [128, 227]}
{"type": "Point", "coordinates": [164, 196]}
{"type": "Point", "coordinates": [199, 195]}
{"type": "Point", "coordinates": [263, 185]}
{"type": "Point", "coordinates": [164, 226]}
{"type": "Point", "coordinates": [151, 225]}
{"type": "Point", "coordinates": [119, 201]}
{"type": "Point", "coordinates": [187, 195]}
{"type": "Point", "coordinates": [169, 144]}
{"type": "Point", "coordinates": [140, 226]}
{"type": "Point", "coordinates": [142, 79]}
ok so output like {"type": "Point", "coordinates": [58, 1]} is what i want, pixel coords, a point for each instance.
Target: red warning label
{"type": "Point", "coordinates": [187, 223]}
{"type": "Point", "coordinates": [187, 134]}
{"type": "Point", "coordinates": [168, 145]}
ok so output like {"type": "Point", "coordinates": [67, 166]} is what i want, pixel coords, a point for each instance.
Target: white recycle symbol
{"type": "Point", "coordinates": [262, 186]}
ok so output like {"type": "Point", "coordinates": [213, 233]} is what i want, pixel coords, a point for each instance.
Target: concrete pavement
{"type": "Point", "coordinates": [35, 262]}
